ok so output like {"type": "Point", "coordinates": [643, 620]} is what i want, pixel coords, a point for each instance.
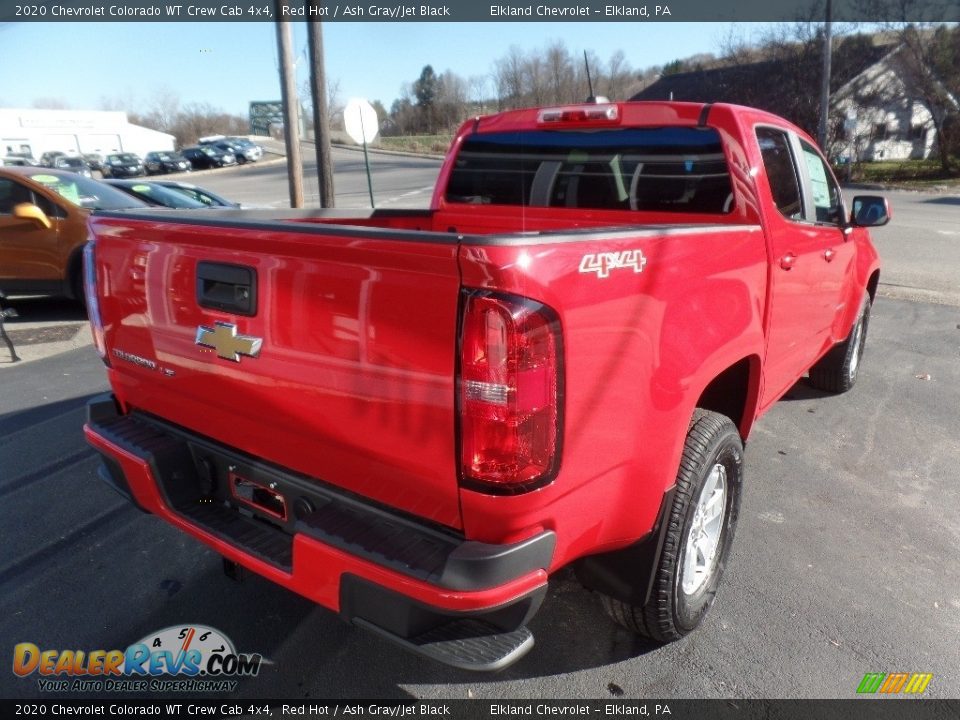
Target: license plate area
{"type": "Point", "coordinates": [258, 496]}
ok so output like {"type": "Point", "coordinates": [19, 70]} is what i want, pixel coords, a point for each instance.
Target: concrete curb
{"type": "Point", "coordinates": [885, 187]}
{"type": "Point", "coordinates": [184, 176]}
{"type": "Point", "coordinates": [381, 151]}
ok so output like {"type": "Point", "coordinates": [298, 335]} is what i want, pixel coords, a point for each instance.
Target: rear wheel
{"type": "Point", "coordinates": [837, 371]}
{"type": "Point", "coordinates": [701, 527]}
{"type": "Point", "coordinates": [76, 279]}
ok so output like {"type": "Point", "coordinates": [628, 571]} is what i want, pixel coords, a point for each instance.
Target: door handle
{"type": "Point", "coordinates": [828, 254]}
{"type": "Point", "coordinates": [788, 261]}
{"type": "Point", "coordinates": [230, 288]}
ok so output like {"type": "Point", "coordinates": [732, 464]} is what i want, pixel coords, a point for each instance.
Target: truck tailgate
{"type": "Point", "coordinates": [353, 380]}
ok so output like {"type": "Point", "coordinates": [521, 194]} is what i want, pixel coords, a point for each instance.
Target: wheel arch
{"type": "Point", "coordinates": [735, 392]}
{"type": "Point", "coordinates": [73, 282]}
{"type": "Point", "coordinates": [872, 284]}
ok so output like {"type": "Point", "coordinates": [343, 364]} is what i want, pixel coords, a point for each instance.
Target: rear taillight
{"type": "Point", "coordinates": [510, 393]}
{"type": "Point", "coordinates": [90, 295]}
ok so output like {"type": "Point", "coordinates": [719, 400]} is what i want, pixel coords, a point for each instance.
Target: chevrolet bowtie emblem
{"type": "Point", "coordinates": [224, 339]}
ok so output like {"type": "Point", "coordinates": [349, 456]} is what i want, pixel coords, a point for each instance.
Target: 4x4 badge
{"type": "Point", "coordinates": [224, 339]}
{"type": "Point", "coordinates": [603, 263]}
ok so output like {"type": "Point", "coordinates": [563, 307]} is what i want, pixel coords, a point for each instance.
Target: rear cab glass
{"type": "Point", "coordinates": [670, 169]}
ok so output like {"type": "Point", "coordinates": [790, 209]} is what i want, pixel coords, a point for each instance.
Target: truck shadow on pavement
{"type": "Point", "coordinates": [322, 657]}
{"type": "Point", "coordinates": [312, 654]}
{"type": "Point", "coordinates": [804, 391]}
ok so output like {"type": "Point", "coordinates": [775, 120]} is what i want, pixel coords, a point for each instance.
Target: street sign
{"type": "Point", "coordinates": [360, 121]}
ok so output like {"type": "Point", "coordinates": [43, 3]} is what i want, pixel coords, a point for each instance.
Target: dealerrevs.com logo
{"type": "Point", "coordinates": [183, 658]}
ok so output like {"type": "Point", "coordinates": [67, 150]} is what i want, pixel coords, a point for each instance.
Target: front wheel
{"type": "Point", "coordinates": [836, 372]}
{"type": "Point", "coordinates": [701, 526]}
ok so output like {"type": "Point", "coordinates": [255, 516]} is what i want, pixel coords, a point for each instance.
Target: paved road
{"type": "Point", "coordinates": [846, 558]}
{"type": "Point", "coordinates": [398, 181]}
{"type": "Point", "coordinates": [921, 246]}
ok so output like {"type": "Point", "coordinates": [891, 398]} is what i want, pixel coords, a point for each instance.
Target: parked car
{"type": "Point", "coordinates": [156, 163]}
{"type": "Point", "coordinates": [122, 165]}
{"type": "Point", "coordinates": [14, 161]}
{"type": "Point", "coordinates": [43, 227]}
{"type": "Point", "coordinates": [208, 198]}
{"type": "Point", "coordinates": [247, 143]}
{"type": "Point", "coordinates": [208, 156]}
{"type": "Point", "coordinates": [243, 153]}
{"type": "Point", "coordinates": [27, 157]}
{"type": "Point", "coordinates": [94, 160]}
{"type": "Point", "coordinates": [73, 163]}
{"type": "Point", "coordinates": [155, 194]}
{"type": "Point", "coordinates": [50, 157]}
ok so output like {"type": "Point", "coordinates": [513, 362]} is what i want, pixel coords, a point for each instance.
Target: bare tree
{"type": "Point", "coordinates": [619, 77]}
{"type": "Point", "coordinates": [508, 75]}
{"type": "Point", "coordinates": [534, 80]}
{"type": "Point", "coordinates": [452, 97]}
{"type": "Point", "coordinates": [478, 85]}
{"type": "Point", "coordinates": [335, 103]}
{"type": "Point", "coordinates": [163, 109]}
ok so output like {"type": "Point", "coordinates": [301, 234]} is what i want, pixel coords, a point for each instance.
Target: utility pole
{"type": "Point", "coordinates": [291, 115]}
{"type": "Point", "coordinates": [321, 121]}
{"type": "Point", "coordinates": [825, 80]}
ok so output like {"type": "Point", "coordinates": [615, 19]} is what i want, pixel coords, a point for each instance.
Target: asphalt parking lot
{"type": "Point", "coordinates": [845, 562]}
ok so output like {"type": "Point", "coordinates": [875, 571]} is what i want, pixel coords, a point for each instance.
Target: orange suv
{"type": "Point", "coordinates": [43, 227]}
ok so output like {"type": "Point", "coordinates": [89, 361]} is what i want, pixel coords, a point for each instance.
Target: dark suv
{"type": "Point", "coordinates": [120, 165]}
{"type": "Point", "coordinates": [208, 156]}
{"type": "Point", "coordinates": [166, 162]}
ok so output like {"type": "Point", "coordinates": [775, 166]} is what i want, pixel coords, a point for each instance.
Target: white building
{"type": "Point", "coordinates": [882, 118]}
{"type": "Point", "coordinates": [76, 131]}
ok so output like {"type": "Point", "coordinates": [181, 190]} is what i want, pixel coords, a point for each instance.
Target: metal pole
{"type": "Point", "coordinates": [321, 122]}
{"type": "Point", "coordinates": [4, 314]}
{"type": "Point", "coordinates": [366, 160]}
{"type": "Point", "coordinates": [825, 80]}
{"type": "Point", "coordinates": [288, 92]}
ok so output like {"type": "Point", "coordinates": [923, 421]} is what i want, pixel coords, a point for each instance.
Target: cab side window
{"type": "Point", "coordinates": [824, 189]}
{"type": "Point", "coordinates": [50, 208]}
{"type": "Point", "coordinates": [781, 172]}
{"type": "Point", "coordinates": [12, 194]}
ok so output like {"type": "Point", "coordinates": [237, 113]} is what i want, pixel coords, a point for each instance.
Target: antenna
{"type": "Point", "coordinates": [594, 99]}
{"type": "Point", "coordinates": [589, 80]}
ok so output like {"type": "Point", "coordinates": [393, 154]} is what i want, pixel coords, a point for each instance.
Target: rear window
{"type": "Point", "coordinates": [653, 169]}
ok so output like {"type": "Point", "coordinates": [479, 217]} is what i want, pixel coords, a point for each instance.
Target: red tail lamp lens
{"type": "Point", "coordinates": [511, 391]}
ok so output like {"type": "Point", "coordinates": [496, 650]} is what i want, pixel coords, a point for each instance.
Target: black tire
{"type": "Point", "coordinates": [672, 611]}
{"type": "Point", "coordinates": [837, 371]}
{"type": "Point", "coordinates": [76, 281]}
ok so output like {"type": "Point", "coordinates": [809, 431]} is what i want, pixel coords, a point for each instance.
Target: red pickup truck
{"type": "Point", "coordinates": [413, 418]}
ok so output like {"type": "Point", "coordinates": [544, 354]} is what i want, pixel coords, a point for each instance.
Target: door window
{"type": "Point", "coordinates": [12, 194]}
{"type": "Point", "coordinates": [824, 189]}
{"type": "Point", "coordinates": [781, 172]}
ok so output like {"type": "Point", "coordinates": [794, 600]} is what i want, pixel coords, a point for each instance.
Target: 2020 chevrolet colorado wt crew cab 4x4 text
{"type": "Point", "coordinates": [414, 417]}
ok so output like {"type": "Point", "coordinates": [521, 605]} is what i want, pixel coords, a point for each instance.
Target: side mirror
{"type": "Point", "coordinates": [870, 211]}
{"type": "Point", "coordinates": [29, 211]}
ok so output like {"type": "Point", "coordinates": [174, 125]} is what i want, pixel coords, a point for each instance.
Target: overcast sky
{"type": "Point", "coordinates": [230, 64]}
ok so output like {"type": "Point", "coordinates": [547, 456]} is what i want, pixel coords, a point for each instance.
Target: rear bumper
{"type": "Point", "coordinates": [389, 572]}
